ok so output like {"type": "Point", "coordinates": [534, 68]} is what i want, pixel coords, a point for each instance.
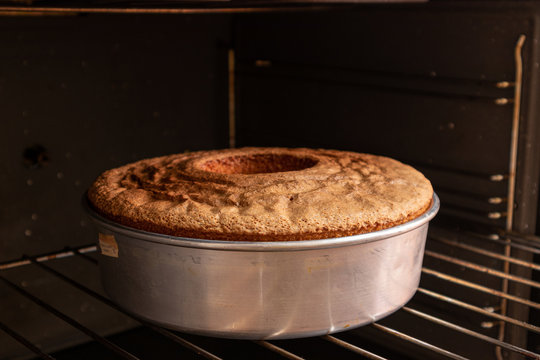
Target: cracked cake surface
{"type": "Point", "coordinates": [262, 194]}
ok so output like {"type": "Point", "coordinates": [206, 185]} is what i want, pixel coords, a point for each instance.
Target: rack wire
{"type": "Point", "coordinates": [87, 254]}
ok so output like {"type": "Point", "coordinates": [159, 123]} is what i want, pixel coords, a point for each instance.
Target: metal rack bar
{"type": "Point", "coordinates": [180, 340]}
{"type": "Point", "coordinates": [111, 346]}
{"type": "Point", "coordinates": [170, 335]}
{"type": "Point", "coordinates": [418, 342]}
{"type": "Point", "coordinates": [352, 347]}
{"type": "Point", "coordinates": [531, 240]}
{"type": "Point", "coordinates": [494, 238]}
{"type": "Point", "coordinates": [471, 195]}
{"type": "Point", "coordinates": [47, 257]}
{"type": "Point", "coordinates": [514, 141]}
{"type": "Point", "coordinates": [25, 342]}
{"type": "Point", "coordinates": [365, 72]}
{"type": "Point", "coordinates": [486, 252]}
{"type": "Point", "coordinates": [279, 350]}
{"type": "Point", "coordinates": [466, 331]}
{"type": "Point", "coordinates": [477, 309]}
{"type": "Point", "coordinates": [381, 87]}
{"type": "Point", "coordinates": [186, 10]}
{"type": "Point", "coordinates": [478, 287]}
{"type": "Point", "coordinates": [481, 268]}
{"type": "Point", "coordinates": [452, 209]}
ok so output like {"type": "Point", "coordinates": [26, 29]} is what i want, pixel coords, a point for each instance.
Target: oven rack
{"type": "Point", "coordinates": [341, 341]}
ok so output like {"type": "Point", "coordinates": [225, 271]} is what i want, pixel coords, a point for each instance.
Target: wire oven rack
{"type": "Point", "coordinates": [286, 349]}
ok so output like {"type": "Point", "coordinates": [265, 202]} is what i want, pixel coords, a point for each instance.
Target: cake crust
{"type": "Point", "coordinates": [262, 194]}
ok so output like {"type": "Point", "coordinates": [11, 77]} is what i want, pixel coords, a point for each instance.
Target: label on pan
{"type": "Point", "coordinates": [108, 245]}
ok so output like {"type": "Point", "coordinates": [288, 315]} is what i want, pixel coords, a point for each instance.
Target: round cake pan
{"type": "Point", "coordinates": [262, 290]}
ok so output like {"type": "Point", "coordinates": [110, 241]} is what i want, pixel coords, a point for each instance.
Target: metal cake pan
{"type": "Point", "coordinates": [261, 290]}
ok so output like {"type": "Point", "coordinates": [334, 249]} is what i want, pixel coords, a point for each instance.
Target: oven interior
{"type": "Point", "coordinates": [448, 87]}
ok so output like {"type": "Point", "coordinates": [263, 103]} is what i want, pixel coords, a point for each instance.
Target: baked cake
{"type": "Point", "coordinates": [262, 194]}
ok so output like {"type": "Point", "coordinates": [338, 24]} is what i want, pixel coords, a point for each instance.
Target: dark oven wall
{"type": "Point", "coordinates": [419, 86]}
{"type": "Point", "coordinates": [79, 95]}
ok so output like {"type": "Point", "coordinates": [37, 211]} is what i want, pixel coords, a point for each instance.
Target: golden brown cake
{"type": "Point", "coordinates": [262, 194]}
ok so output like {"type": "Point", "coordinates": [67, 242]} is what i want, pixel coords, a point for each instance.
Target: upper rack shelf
{"type": "Point", "coordinates": [51, 7]}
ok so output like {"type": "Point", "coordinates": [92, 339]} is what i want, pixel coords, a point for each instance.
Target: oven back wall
{"type": "Point", "coordinates": [82, 94]}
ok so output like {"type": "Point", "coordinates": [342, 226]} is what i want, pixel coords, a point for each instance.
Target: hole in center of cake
{"type": "Point", "coordinates": [258, 164]}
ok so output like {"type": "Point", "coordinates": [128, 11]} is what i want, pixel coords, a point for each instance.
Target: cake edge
{"type": "Point", "coordinates": [150, 227]}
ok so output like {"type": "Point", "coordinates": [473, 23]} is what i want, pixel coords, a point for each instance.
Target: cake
{"type": "Point", "coordinates": [262, 194]}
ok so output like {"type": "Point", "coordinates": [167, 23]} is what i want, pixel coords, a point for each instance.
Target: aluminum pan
{"type": "Point", "coordinates": [264, 245]}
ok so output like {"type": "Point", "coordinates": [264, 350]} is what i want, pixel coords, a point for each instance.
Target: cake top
{"type": "Point", "coordinates": [262, 194]}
